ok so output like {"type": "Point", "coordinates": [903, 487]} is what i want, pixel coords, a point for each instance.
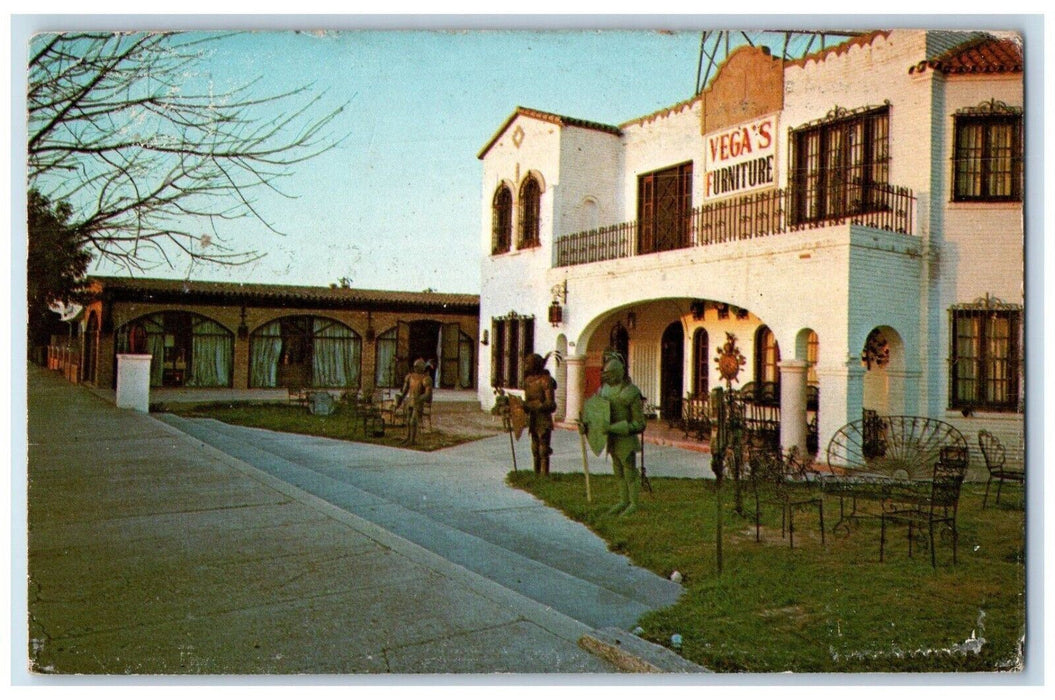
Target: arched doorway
{"type": "Point", "coordinates": [671, 371]}
{"type": "Point", "coordinates": [619, 340]}
{"type": "Point", "coordinates": [883, 358]}
{"type": "Point", "coordinates": [424, 343]}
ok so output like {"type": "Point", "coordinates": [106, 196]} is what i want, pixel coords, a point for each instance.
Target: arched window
{"type": "Point", "coordinates": [187, 349]}
{"type": "Point", "coordinates": [812, 353]}
{"type": "Point", "coordinates": [700, 362]}
{"type": "Point", "coordinates": [304, 351]}
{"type": "Point", "coordinates": [530, 206]}
{"type": "Point", "coordinates": [501, 221]}
{"type": "Point", "coordinates": [767, 356]}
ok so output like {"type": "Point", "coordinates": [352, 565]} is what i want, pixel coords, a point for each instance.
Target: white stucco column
{"type": "Point", "coordinates": [133, 382]}
{"type": "Point", "coordinates": [841, 397]}
{"type": "Point", "coordinates": [576, 379]}
{"type": "Point", "coordinates": [904, 396]}
{"type": "Point", "coordinates": [793, 405]}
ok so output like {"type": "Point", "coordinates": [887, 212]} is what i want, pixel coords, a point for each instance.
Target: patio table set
{"type": "Point", "coordinates": [903, 470]}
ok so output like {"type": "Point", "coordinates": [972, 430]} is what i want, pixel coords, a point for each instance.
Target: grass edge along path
{"type": "Point", "coordinates": [814, 608]}
{"type": "Point", "coordinates": [344, 424]}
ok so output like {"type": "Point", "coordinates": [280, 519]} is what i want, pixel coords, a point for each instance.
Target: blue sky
{"type": "Point", "coordinates": [396, 205]}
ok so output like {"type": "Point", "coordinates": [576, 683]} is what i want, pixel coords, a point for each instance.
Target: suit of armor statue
{"type": "Point", "coordinates": [539, 403]}
{"type": "Point", "coordinates": [627, 421]}
{"type": "Point", "coordinates": [416, 392]}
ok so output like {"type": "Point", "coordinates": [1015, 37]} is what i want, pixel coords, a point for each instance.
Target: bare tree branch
{"type": "Point", "coordinates": [152, 158]}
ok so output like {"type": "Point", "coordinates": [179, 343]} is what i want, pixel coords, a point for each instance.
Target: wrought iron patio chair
{"type": "Point", "coordinates": [898, 447]}
{"type": "Point", "coordinates": [995, 457]}
{"type": "Point", "coordinates": [393, 416]}
{"type": "Point", "coordinates": [696, 416]}
{"type": "Point", "coordinates": [939, 509]}
{"type": "Point", "coordinates": [785, 480]}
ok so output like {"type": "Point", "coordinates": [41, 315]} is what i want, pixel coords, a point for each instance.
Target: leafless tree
{"type": "Point", "coordinates": [125, 127]}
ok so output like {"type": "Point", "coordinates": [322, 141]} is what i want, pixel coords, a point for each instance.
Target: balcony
{"type": "Point", "coordinates": [771, 213]}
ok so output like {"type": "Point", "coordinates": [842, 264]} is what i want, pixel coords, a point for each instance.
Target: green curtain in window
{"type": "Point", "coordinates": [263, 359]}
{"type": "Point", "coordinates": [385, 371]}
{"type": "Point", "coordinates": [211, 354]}
{"type": "Point", "coordinates": [335, 355]}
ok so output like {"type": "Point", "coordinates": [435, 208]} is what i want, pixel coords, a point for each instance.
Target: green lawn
{"type": "Point", "coordinates": [344, 424]}
{"type": "Point", "coordinates": [814, 608]}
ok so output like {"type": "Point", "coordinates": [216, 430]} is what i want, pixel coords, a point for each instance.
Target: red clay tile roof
{"type": "Point", "coordinates": [984, 55]}
{"type": "Point", "coordinates": [558, 119]}
{"type": "Point", "coordinates": [283, 294]}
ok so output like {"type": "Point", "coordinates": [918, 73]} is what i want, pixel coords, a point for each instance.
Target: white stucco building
{"type": "Point", "coordinates": [854, 217]}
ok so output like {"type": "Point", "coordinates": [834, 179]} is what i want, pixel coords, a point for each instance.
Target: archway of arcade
{"type": "Point", "coordinates": [670, 345]}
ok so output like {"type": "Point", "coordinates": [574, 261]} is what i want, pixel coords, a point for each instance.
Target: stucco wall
{"type": "Point", "coordinates": [838, 280]}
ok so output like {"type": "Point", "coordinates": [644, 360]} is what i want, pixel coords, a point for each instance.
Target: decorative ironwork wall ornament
{"type": "Point", "coordinates": [990, 107]}
{"type": "Point", "coordinates": [987, 303]}
{"type": "Point", "coordinates": [730, 360]}
{"type": "Point", "coordinates": [876, 351]}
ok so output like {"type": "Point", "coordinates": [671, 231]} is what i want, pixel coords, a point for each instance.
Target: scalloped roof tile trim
{"type": "Point", "coordinates": [664, 113]}
{"type": "Point", "coordinates": [839, 48]}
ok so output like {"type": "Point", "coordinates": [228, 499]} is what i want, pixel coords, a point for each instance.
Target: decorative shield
{"type": "Point", "coordinates": [597, 415]}
{"type": "Point", "coordinates": [518, 417]}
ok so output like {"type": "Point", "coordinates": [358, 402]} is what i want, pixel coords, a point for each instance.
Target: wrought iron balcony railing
{"type": "Point", "coordinates": [752, 216]}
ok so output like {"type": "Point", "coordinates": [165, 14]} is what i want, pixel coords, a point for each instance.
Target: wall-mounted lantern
{"type": "Point", "coordinates": [556, 314]}
{"type": "Point", "coordinates": [486, 338]}
{"type": "Point", "coordinates": [559, 292]}
{"type": "Point", "coordinates": [631, 321]}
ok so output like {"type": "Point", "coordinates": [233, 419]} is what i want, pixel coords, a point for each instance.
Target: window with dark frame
{"type": "Point", "coordinates": [984, 363]}
{"type": "Point", "coordinates": [513, 337]}
{"type": "Point", "coordinates": [840, 165]}
{"type": "Point", "coordinates": [530, 208]}
{"type": "Point", "coordinates": [502, 221]}
{"type": "Point", "coordinates": [767, 356]}
{"type": "Point", "coordinates": [664, 209]}
{"type": "Point", "coordinates": [701, 366]}
{"type": "Point", "coordinates": [987, 154]}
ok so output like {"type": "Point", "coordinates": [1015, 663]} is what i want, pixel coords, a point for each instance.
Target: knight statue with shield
{"type": "Point", "coordinates": [613, 418]}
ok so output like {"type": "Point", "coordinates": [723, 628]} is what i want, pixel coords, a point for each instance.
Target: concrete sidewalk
{"type": "Point", "coordinates": [152, 553]}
